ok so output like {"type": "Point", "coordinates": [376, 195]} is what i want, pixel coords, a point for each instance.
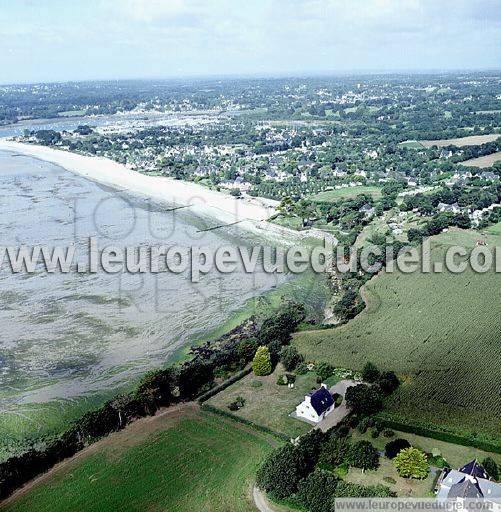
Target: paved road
{"type": "Point", "coordinates": [339, 412]}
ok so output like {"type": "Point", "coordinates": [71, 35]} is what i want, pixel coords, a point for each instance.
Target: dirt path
{"type": "Point", "coordinates": [262, 504]}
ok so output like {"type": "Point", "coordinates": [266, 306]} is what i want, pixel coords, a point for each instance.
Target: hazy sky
{"type": "Point", "coordinates": [51, 40]}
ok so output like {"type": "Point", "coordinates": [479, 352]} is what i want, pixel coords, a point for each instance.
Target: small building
{"type": "Point", "coordinates": [469, 482]}
{"type": "Point", "coordinates": [316, 405]}
{"type": "Point", "coordinates": [453, 208]}
{"type": "Point", "coordinates": [489, 176]}
{"type": "Point", "coordinates": [367, 210]}
{"type": "Point", "coordinates": [445, 153]}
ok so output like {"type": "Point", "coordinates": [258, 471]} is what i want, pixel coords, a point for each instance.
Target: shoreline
{"type": "Point", "coordinates": [251, 213]}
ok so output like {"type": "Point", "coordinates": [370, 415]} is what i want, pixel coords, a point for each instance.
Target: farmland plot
{"type": "Point", "coordinates": [440, 332]}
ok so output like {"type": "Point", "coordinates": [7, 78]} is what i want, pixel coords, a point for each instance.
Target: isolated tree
{"type": "Point", "coordinates": [290, 357]}
{"type": "Point", "coordinates": [412, 463]}
{"type": "Point", "coordinates": [393, 448]}
{"type": "Point", "coordinates": [261, 364]}
{"type": "Point", "coordinates": [363, 455]}
{"type": "Point", "coordinates": [370, 373]}
{"type": "Point", "coordinates": [491, 468]}
{"type": "Point", "coordinates": [315, 492]}
{"type": "Point", "coordinates": [364, 400]}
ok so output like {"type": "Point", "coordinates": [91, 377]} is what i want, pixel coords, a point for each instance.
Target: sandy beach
{"type": "Point", "coordinates": [221, 207]}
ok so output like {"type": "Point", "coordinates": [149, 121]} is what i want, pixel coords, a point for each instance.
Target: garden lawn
{"type": "Point", "coordinates": [267, 403]}
{"type": "Point", "coordinates": [455, 454]}
{"type": "Point", "coordinates": [403, 487]}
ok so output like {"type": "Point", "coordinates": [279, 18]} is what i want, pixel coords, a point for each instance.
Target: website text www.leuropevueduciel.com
{"type": "Point", "coordinates": [200, 260]}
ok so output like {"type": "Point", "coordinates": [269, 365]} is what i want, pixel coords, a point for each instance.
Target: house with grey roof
{"type": "Point", "coordinates": [444, 207]}
{"type": "Point", "coordinates": [489, 176]}
{"type": "Point", "coordinates": [469, 482]}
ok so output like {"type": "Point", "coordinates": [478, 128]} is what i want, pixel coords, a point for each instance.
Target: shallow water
{"type": "Point", "coordinates": [70, 335]}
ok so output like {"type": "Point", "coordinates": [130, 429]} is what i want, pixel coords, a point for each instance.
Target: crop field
{"type": "Point", "coordinates": [471, 140]}
{"type": "Point", "coordinates": [440, 332]}
{"type": "Point", "coordinates": [267, 403]}
{"type": "Point", "coordinates": [183, 459]}
{"type": "Point", "coordinates": [483, 161]}
{"type": "Point", "coordinates": [346, 193]}
{"type": "Point", "coordinates": [411, 144]}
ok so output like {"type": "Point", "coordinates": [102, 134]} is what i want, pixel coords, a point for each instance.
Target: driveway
{"type": "Point", "coordinates": [340, 412]}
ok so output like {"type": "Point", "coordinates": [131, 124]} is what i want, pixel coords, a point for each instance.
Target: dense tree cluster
{"type": "Point", "coordinates": [303, 473]}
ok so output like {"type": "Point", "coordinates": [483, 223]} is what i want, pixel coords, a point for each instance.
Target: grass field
{"type": "Point", "coordinates": [183, 460]}
{"type": "Point", "coordinates": [267, 403]}
{"type": "Point", "coordinates": [483, 161]}
{"type": "Point", "coordinates": [440, 332]}
{"type": "Point", "coordinates": [346, 193]}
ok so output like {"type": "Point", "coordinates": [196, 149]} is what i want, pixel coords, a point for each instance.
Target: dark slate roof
{"type": "Point", "coordinates": [474, 469]}
{"type": "Point", "coordinates": [465, 488]}
{"type": "Point", "coordinates": [321, 400]}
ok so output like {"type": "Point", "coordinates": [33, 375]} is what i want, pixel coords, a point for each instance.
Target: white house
{"type": "Point", "coordinates": [316, 405]}
{"type": "Point", "coordinates": [444, 207]}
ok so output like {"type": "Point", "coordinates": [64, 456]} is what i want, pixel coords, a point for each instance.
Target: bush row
{"type": "Point", "coordinates": [228, 382]}
{"type": "Point", "coordinates": [257, 426]}
{"type": "Point", "coordinates": [489, 445]}
{"type": "Point", "coordinates": [156, 389]}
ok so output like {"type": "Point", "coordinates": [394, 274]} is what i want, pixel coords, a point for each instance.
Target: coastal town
{"type": "Point", "coordinates": [345, 385]}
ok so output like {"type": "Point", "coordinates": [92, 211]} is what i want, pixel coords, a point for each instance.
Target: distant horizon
{"type": "Point", "coordinates": [59, 41]}
{"type": "Point", "coordinates": [257, 76]}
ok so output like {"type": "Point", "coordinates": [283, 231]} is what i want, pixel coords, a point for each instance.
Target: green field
{"type": "Point", "coordinates": [440, 332]}
{"type": "Point", "coordinates": [411, 144]}
{"type": "Point", "coordinates": [183, 460]}
{"type": "Point", "coordinates": [346, 193]}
